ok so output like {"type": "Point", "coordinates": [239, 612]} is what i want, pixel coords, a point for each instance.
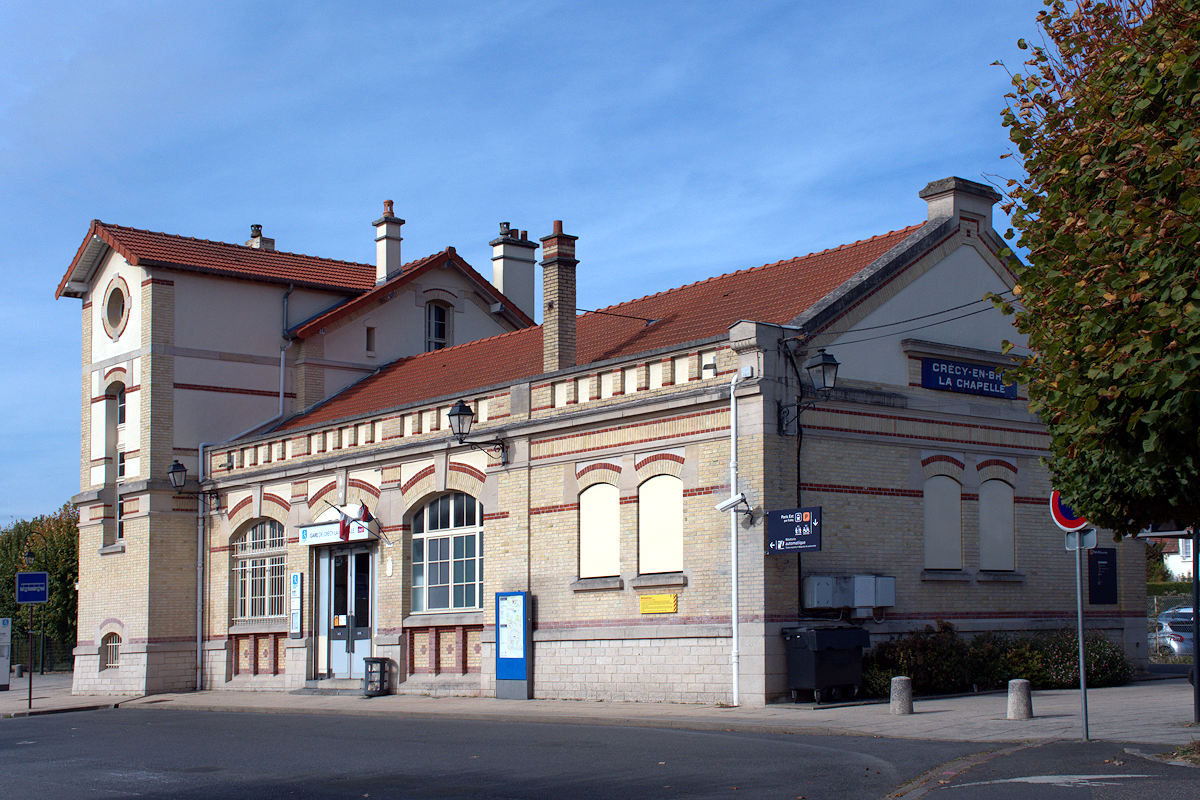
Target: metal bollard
{"type": "Point", "coordinates": [18, 670]}
{"type": "Point", "coordinates": [901, 695]}
{"type": "Point", "coordinates": [1020, 701]}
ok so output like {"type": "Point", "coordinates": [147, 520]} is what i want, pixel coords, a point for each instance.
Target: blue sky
{"type": "Point", "coordinates": [677, 139]}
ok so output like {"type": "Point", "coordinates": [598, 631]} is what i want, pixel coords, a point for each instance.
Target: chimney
{"type": "Point", "coordinates": [959, 198]}
{"type": "Point", "coordinates": [387, 244]}
{"type": "Point", "coordinates": [513, 266]}
{"type": "Point", "coordinates": [558, 296]}
{"type": "Point", "coordinates": [258, 241]}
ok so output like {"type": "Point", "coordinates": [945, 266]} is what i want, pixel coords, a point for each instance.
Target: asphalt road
{"type": "Point", "coordinates": [159, 753]}
{"type": "Point", "coordinates": [178, 754]}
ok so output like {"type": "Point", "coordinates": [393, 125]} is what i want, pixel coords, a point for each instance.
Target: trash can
{"type": "Point", "coordinates": [376, 677]}
{"type": "Point", "coordinates": [826, 660]}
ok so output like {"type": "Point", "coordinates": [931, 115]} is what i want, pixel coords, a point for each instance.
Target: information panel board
{"type": "Point", "coordinates": [1102, 576]}
{"type": "Point", "coordinates": [295, 624]}
{"type": "Point", "coordinates": [794, 529]}
{"type": "Point", "coordinates": [5, 651]}
{"type": "Point", "coordinates": [512, 636]}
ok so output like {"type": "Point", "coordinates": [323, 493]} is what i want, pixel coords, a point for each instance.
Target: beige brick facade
{"type": "Point", "coordinates": [867, 452]}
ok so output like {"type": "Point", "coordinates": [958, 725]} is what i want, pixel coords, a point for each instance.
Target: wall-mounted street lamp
{"type": "Point", "coordinates": [177, 473]}
{"type": "Point", "coordinates": [461, 418]}
{"type": "Point", "coordinates": [822, 369]}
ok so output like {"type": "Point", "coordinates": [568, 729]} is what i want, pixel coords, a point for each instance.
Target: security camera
{"type": "Point", "coordinates": [732, 503]}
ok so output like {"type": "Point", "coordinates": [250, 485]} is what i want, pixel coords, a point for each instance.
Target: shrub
{"type": "Point", "coordinates": [1157, 588]}
{"type": "Point", "coordinates": [939, 662]}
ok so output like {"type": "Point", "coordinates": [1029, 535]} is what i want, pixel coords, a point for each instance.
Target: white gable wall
{"type": "Point", "coordinates": [961, 277]}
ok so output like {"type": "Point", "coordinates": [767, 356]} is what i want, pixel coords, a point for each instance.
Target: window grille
{"type": "Point", "coordinates": [110, 651]}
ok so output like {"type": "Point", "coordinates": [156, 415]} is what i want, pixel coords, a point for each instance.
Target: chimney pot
{"type": "Point", "coordinates": [514, 267]}
{"type": "Point", "coordinates": [255, 231]}
{"type": "Point", "coordinates": [387, 244]}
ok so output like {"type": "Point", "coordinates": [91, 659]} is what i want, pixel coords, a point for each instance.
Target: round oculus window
{"type": "Point", "coordinates": [116, 309]}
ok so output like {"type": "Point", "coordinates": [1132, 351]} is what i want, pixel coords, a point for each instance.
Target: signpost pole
{"type": "Point", "coordinates": [30, 659]}
{"type": "Point", "coordinates": [1079, 615]}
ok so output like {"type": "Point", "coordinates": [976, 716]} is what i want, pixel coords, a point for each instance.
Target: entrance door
{"type": "Point", "coordinates": [346, 608]}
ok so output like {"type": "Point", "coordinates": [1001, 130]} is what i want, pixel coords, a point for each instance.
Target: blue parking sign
{"type": "Point", "coordinates": [33, 587]}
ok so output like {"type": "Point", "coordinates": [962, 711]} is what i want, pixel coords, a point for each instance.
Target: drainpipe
{"type": "Point", "coordinates": [200, 571]}
{"type": "Point", "coordinates": [735, 653]}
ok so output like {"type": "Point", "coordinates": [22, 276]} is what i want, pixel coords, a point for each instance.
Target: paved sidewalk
{"type": "Point", "coordinates": [1154, 712]}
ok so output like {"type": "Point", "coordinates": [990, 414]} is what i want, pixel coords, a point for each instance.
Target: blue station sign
{"type": "Point", "coordinates": [960, 376]}
{"type": "Point", "coordinates": [794, 529]}
{"type": "Point", "coordinates": [33, 587]}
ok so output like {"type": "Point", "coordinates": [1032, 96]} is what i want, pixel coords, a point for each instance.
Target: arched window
{"type": "Point", "coordinates": [258, 572]}
{"type": "Point", "coordinates": [943, 523]}
{"type": "Point", "coordinates": [996, 526]}
{"type": "Point", "coordinates": [437, 326]}
{"type": "Point", "coordinates": [447, 554]}
{"type": "Point", "coordinates": [599, 531]}
{"type": "Point", "coordinates": [110, 651]}
{"type": "Point", "coordinates": [660, 525]}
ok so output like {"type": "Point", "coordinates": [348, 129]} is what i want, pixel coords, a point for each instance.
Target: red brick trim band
{"type": "Point", "coordinates": [995, 462]}
{"type": "Point", "coordinates": [415, 479]}
{"type": "Point", "coordinates": [871, 490]}
{"type": "Point", "coordinates": [245, 501]}
{"type": "Point", "coordinates": [277, 500]}
{"type": "Point", "coordinates": [699, 490]}
{"type": "Point", "coordinates": [590, 467]}
{"type": "Point", "coordinates": [496, 515]}
{"type": "Point", "coordinates": [925, 462]}
{"type": "Point", "coordinates": [658, 457]}
{"type": "Point", "coordinates": [158, 282]}
{"type": "Point", "coordinates": [200, 387]}
{"type": "Point", "coordinates": [467, 469]}
{"type": "Point", "coordinates": [324, 490]}
{"type": "Point", "coordinates": [361, 484]}
{"type": "Point", "coordinates": [553, 509]}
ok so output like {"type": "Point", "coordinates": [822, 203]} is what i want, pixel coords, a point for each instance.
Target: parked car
{"type": "Point", "coordinates": [1173, 636]}
{"type": "Point", "coordinates": [1177, 611]}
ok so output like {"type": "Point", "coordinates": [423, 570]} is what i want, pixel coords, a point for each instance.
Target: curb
{"type": "Point", "coordinates": [38, 712]}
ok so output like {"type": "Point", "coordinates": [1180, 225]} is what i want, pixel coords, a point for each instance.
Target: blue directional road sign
{"type": "Point", "coordinates": [33, 587]}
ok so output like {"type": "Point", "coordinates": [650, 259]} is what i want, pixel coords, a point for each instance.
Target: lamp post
{"type": "Point", "coordinates": [462, 417]}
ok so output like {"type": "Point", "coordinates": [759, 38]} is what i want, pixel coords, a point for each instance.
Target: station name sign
{"type": "Point", "coordinates": [959, 376]}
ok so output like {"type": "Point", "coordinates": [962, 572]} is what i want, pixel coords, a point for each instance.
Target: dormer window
{"type": "Point", "coordinates": [437, 326]}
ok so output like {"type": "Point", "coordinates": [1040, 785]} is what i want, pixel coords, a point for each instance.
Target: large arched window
{"type": "Point", "coordinates": [258, 572]}
{"type": "Point", "coordinates": [660, 525]}
{"type": "Point", "coordinates": [599, 531]}
{"type": "Point", "coordinates": [447, 554]}
{"type": "Point", "coordinates": [943, 523]}
{"type": "Point", "coordinates": [996, 526]}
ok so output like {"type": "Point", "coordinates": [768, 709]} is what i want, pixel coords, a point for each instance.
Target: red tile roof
{"type": "Point", "coordinates": [149, 248]}
{"type": "Point", "coordinates": [446, 258]}
{"type": "Point", "coordinates": [775, 293]}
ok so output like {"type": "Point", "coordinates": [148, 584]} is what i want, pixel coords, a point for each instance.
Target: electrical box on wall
{"type": "Point", "coordinates": [860, 592]}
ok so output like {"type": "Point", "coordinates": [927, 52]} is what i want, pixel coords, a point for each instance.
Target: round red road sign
{"type": "Point", "coordinates": [1063, 515]}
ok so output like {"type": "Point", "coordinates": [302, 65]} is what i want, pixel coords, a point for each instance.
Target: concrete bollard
{"type": "Point", "coordinates": [1020, 701]}
{"type": "Point", "coordinates": [901, 695]}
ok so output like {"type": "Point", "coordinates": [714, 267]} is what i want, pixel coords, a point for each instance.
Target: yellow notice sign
{"type": "Point", "coordinates": [659, 603]}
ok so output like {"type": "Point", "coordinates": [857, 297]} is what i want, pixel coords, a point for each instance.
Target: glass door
{"type": "Point", "coordinates": [347, 605]}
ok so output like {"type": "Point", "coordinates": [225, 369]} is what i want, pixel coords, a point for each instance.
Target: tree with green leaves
{"type": "Point", "coordinates": [53, 541]}
{"type": "Point", "coordinates": [1105, 117]}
